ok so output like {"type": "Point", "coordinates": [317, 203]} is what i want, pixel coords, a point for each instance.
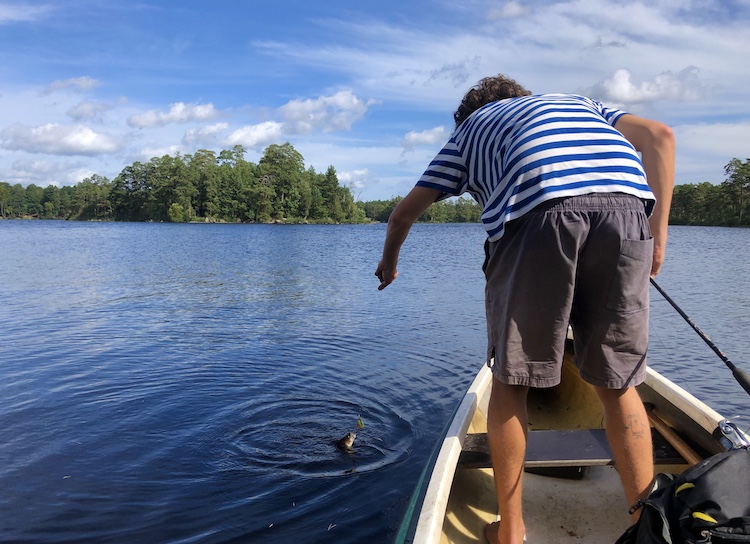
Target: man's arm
{"type": "Point", "coordinates": [399, 223]}
{"type": "Point", "coordinates": [655, 142]}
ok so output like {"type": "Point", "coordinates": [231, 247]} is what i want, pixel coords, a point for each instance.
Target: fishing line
{"type": "Point", "coordinates": [740, 375]}
{"type": "Point", "coordinates": [675, 367]}
{"type": "Point", "coordinates": [347, 441]}
{"type": "Point", "coordinates": [360, 424]}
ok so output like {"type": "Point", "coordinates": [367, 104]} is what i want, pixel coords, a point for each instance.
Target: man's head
{"type": "Point", "coordinates": [490, 89]}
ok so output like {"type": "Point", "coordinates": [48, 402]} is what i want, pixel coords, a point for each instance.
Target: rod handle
{"type": "Point", "coordinates": [743, 378]}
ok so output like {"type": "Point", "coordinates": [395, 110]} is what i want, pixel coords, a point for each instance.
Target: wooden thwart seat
{"type": "Point", "coordinates": [562, 448]}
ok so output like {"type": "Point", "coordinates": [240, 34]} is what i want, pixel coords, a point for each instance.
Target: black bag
{"type": "Point", "coordinates": [709, 502]}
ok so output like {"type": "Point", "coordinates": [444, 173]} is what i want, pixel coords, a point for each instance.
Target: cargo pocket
{"type": "Point", "coordinates": [628, 291]}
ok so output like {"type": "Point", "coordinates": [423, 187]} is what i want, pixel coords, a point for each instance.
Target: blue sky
{"type": "Point", "coordinates": [89, 87]}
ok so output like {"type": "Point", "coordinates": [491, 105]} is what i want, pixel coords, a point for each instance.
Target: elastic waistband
{"type": "Point", "coordinates": [593, 202]}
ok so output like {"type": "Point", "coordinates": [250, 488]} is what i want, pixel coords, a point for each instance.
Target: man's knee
{"type": "Point", "coordinates": [619, 399]}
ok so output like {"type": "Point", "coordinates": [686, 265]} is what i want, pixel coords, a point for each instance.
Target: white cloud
{"type": "Point", "coordinates": [20, 13]}
{"type": "Point", "coordinates": [77, 175]}
{"type": "Point", "coordinates": [56, 139]}
{"type": "Point", "coordinates": [458, 73]}
{"type": "Point", "coordinates": [418, 72]}
{"type": "Point", "coordinates": [703, 150]}
{"type": "Point", "coordinates": [509, 10]}
{"type": "Point", "coordinates": [622, 89]}
{"type": "Point", "coordinates": [34, 171]}
{"type": "Point", "coordinates": [207, 135]}
{"type": "Point", "coordinates": [179, 112]}
{"type": "Point", "coordinates": [44, 172]}
{"type": "Point", "coordinates": [394, 63]}
{"type": "Point", "coordinates": [256, 136]}
{"type": "Point", "coordinates": [378, 167]}
{"type": "Point", "coordinates": [327, 113]}
{"type": "Point", "coordinates": [80, 84]}
{"type": "Point", "coordinates": [433, 136]}
{"type": "Point", "coordinates": [87, 111]}
{"type": "Point", "coordinates": [564, 47]}
{"type": "Point", "coordinates": [148, 153]}
{"type": "Point", "coordinates": [356, 180]}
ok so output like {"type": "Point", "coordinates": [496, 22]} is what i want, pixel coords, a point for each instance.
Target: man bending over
{"type": "Point", "coordinates": [576, 222]}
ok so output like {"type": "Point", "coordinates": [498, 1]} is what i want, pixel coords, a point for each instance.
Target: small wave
{"type": "Point", "coordinates": [298, 435]}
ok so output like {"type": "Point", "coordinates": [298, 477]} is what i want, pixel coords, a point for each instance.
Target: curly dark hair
{"type": "Point", "coordinates": [489, 89]}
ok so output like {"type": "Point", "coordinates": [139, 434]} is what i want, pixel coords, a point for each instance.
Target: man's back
{"type": "Point", "coordinates": [514, 154]}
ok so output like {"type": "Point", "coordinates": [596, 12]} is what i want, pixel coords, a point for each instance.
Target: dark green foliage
{"type": "Point", "coordinates": [228, 188]}
{"type": "Point", "coordinates": [455, 210]}
{"type": "Point", "coordinates": [90, 200]}
{"type": "Point", "coordinates": [379, 210]}
{"type": "Point", "coordinates": [200, 187]}
{"type": "Point", "coordinates": [727, 204]}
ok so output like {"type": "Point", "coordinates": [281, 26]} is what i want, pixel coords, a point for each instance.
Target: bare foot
{"type": "Point", "coordinates": [491, 532]}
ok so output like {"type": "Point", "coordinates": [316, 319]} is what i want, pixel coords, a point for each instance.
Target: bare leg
{"type": "Point", "coordinates": [506, 432]}
{"type": "Point", "coordinates": [629, 436]}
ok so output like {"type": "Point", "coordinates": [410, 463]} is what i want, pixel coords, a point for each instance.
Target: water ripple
{"type": "Point", "coordinates": [186, 383]}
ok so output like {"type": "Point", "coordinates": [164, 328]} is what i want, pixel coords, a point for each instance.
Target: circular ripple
{"type": "Point", "coordinates": [299, 435]}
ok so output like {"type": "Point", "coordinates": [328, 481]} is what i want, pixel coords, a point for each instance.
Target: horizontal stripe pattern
{"type": "Point", "coordinates": [514, 154]}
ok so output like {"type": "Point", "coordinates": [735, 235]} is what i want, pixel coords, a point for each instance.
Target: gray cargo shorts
{"type": "Point", "coordinates": [583, 261]}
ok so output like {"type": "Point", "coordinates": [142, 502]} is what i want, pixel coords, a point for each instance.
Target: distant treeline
{"type": "Point", "coordinates": [202, 186]}
{"type": "Point", "coordinates": [227, 188]}
{"type": "Point", "coordinates": [726, 204]}
{"type": "Point", "coordinates": [217, 188]}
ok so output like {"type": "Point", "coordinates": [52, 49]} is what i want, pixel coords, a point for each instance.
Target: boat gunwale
{"type": "Point", "coordinates": [687, 403]}
{"type": "Point", "coordinates": [430, 523]}
{"type": "Point", "coordinates": [435, 501]}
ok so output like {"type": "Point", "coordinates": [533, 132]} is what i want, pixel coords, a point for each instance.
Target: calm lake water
{"type": "Point", "coordinates": [185, 383]}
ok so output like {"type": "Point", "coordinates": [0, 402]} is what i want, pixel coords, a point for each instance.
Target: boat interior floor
{"type": "Point", "coordinates": [591, 510]}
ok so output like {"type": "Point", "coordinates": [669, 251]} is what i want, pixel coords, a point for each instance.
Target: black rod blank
{"type": "Point", "coordinates": [740, 375]}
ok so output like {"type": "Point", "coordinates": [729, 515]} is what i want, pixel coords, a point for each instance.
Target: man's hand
{"type": "Point", "coordinates": [386, 275]}
{"type": "Point", "coordinates": [658, 258]}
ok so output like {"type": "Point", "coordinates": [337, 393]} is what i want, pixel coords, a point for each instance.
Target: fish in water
{"type": "Point", "coordinates": [345, 443]}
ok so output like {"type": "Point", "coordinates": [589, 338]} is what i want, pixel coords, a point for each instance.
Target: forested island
{"type": "Point", "coordinates": [207, 187]}
{"type": "Point", "coordinates": [226, 188]}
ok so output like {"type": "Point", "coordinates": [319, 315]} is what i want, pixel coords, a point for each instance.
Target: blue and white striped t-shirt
{"type": "Point", "coordinates": [514, 154]}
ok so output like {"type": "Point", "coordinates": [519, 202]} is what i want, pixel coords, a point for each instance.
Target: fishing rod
{"type": "Point", "coordinates": [740, 375]}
